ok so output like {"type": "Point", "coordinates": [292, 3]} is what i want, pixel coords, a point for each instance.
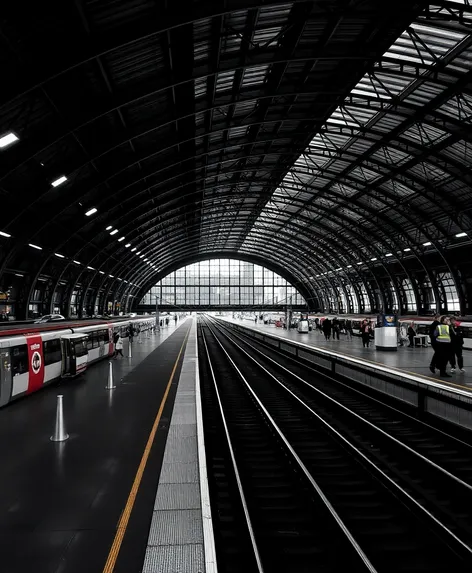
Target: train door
{"type": "Point", "coordinates": [66, 356]}
{"type": "Point", "coordinates": [5, 376]}
{"type": "Point", "coordinates": [74, 354]}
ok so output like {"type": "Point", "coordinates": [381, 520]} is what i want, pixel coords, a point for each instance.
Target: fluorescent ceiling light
{"type": "Point", "coordinates": [8, 139]}
{"type": "Point", "coordinates": [101, 272]}
{"type": "Point", "coordinates": [427, 244]}
{"type": "Point", "coordinates": [114, 232]}
{"type": "Point", "coordinates": [19, 275]}
{"type": "Point", "coordinates": [138, 253]}
{"type": "Point", "coordinates": [59, 255]}
{"type": "Point", "coordinates": [349, 266]}
{"type": "Point", "coordinates": [121, 239]}
{"type": "Point", "coordinates": [459, 235]}
{"type": "Point", "coordinates": [77, 263]}
{"type": "Point", "coordinates": [141, 256]}
{"type": "Point", "coordinates": [146, 260]}
{"type": "Point", "coordinates": [133, 249]}
{"type": "Point", "coordinates": [406, 250]}
{"type": "Point", "coordinates": [91, 211]}
{"type": "Point", "coordinates": [59, 181]}
{"type": "Point", "coordinates": [3, 234]}
{"type": "Point", "coordinates": [374, 259]}
{"type": "Point", "coordinates": [359, 263]}
{"type": "Point", "coordinates": [340, 269]}
{"type": "Point", "coordinates": [389, 255]}
{"type": "Point", "coordinates": [91, 268]}
{"type": "Point", "coordinates": [111, 276]}
{"type": "Point", "coordinates": [109, 227]}
{"type": "Point", "coordinates": [35, 246]}
{"type": "Point", "coordinates": [128, 245]}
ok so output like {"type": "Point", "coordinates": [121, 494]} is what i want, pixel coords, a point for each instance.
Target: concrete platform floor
{"type": "Point", "coordinates": [61, 503]}
{"type": "Point", "coordinates": [414, 360]}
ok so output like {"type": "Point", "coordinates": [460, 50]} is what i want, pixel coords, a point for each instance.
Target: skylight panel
{"type": "Point", "coordinates": [254, 76]}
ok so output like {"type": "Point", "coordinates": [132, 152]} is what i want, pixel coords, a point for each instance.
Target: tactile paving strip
{"type": "Point", "coordinates": [175, 559]}
{"type": "Point", "coordinates": [176, 537]}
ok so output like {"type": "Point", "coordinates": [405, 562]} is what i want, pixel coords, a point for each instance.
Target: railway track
{"type": "Point", "coordinates": [434, 466]}
{"type": "Point", "coordinates": [290, 492]}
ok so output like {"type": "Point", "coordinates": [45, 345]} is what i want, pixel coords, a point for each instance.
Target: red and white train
{"type": "Point", "coordinates": [420, 323]}
{"type": "Point", "coordinates": [29, 360]}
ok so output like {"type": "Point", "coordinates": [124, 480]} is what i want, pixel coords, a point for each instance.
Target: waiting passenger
{"type": "Point", "coordinates": [457, 342]}
{"type": "Point", "coordinates": [326, 327]}
{"type": "Point", "coordinates": [411, 334]}
{"type": "Point", "coordinates": [366, 331]}
{"type": "Point", "coordinates": [336, 328]}
{"type": "Point", "coordinates": [349, 328]}
{"type": "Point", "coordinates": [118, 347]}
{"type": "Point", "coordinates": [432, 338]}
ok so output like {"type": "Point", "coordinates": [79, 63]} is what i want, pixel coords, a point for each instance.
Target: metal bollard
{"type": "Point", "coordinates": [110, 385]}
{"type": "Point", "coordinates": [60, 434]}
{"type": "Point", "coordinates": [129, 349]}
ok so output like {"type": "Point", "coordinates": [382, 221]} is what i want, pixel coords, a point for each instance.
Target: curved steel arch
{"type": "Point", "coordinates": [190, 178]}
{"type": "Point", "coordinates": [147, 28]}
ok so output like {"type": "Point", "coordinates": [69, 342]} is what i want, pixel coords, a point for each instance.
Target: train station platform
{"type": "Point", "coordinates": [181, 533]}
{"type": "Point", "coordinates": [85, 504]}
{"type": "Point", "coordinates": [411, 360]}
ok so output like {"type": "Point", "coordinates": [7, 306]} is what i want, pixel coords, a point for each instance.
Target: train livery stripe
{"type": "Point", "coordinates": [36, 363]}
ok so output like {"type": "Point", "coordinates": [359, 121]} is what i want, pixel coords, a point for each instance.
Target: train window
{"type": "Point", "coordinates": [52, 351]}
{"type": "Point", "coordinates": [101, 336]}
{"type": "Point", "coordinates": [89, 343]}
{"type": "Point", "coordinates": [81, 347]}
{"type": "Point", "coordinates": [19, 359]}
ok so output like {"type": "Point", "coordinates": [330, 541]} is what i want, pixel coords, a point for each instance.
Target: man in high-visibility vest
{"type": "Point", "coordinates": [443, 346]}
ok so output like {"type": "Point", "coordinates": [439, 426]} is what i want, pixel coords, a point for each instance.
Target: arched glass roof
{"type": "Point", "coordinates": [328, 140]}
{"type": "Point", "coordinates": [223, 282]}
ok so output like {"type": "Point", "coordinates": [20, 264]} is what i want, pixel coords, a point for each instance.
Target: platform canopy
{"type": "Point", "coordinates": [330, 140]}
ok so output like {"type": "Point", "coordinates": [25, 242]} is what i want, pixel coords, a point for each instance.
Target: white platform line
{"type": "Point", "coordinates": [208, 535]}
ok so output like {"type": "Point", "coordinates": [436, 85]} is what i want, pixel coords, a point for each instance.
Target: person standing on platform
{"type": "Point", "coordinates": [457, 342]}
{"type": "Point", "coordinates": [167, 321]}
{"type": "Point", "coordinates": [131, 332]}
{"type": "Point", "coordinates": [432, 330]}
{"type": "Point", "coordinates": [411, 335]}
{"type": "Point", "coordinates": [255, 320]}
{"type": "Point", "coordinates": [443, 346]}
{"type": "Point", "coordinates": [326, 327]}
{"type": "Point", "coordinates": [175, 319]}
{"type": "Point", "coordinates": [366, 330]}
{"type": "Point", "coordinates": [118, 346]}
{"type": "Point", "coordinates": [336, 328]}
{"type": "Point", "coordinates": [349, 328]}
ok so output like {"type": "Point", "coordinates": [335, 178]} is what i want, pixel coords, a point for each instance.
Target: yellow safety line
{"type": "Point", "coordinates": [123, 523]}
